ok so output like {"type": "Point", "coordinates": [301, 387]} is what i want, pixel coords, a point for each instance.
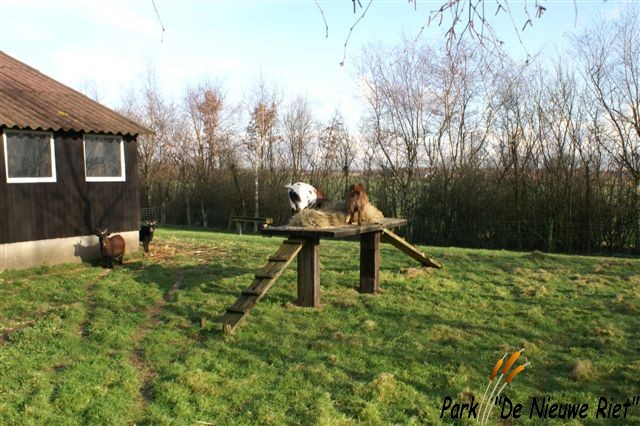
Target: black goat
{"type": "Point", "coordinates": [110, 247]}
{"type": "Point", "coordinates": [146, 234]}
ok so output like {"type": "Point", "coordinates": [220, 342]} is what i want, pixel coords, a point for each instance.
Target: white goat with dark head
{"type": "Point", "coordinates": [302, 196]}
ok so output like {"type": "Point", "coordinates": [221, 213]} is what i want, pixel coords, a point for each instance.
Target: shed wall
{"type": "Point", "coordinates": [75, 249]}
{"type": "Point", "coordinates": [71, 206]}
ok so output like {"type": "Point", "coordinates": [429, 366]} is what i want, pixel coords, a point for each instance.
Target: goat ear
{"type": "Point", "coordinates": [98, 231]}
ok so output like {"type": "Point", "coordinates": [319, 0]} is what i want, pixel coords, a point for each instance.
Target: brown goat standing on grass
{"type": "Point", "coordinates": [110, 247]}
{"type": "Point", "coordinates": [357, 200]}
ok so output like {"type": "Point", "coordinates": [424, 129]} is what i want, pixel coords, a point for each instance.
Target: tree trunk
{"type": "Point", "coordinates": [637, 248]}
{"type": "Point", "coordinates": [550, 244]}
{"type": "Point", "coordinates": [589, 231]}
{"type": "Point", "coordinates": [257, 196]}
{"type": "Point", "coordinates": [203, 211]}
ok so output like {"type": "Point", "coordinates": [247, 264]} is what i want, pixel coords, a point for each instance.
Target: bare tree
{"type": "Point", "coordinates": [517, 148]}
{"type": "Point", "coordinates": [211, 129]}
{"type": "Point", "coordinates": [261, 133]}
{"type": "Point", "coordinates": [464, 21]}
{"type": "Point", "coordinates": [397, 94]}
{"type": "Point", "coordinates": [339, 148]}
{"type": "Point", "coordinates": [89, 88]}
{"type": "Point", "coordinates": [298, 131]}
{"type": "Point", "coordinates": [155, 150]}
{"type": "Point", "coordinates": [610, 55]}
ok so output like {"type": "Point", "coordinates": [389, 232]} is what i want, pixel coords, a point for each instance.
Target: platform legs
{"type": "Point", "coordinates": [370, 262]}
{"type": "Point", "coordinates": [309, 273]}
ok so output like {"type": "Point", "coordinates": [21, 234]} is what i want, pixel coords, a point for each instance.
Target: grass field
{"type": "Point", "coordinates": [142, 343]}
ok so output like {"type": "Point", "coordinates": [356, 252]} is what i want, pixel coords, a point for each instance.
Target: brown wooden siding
{"type": "Point", "coordinates": [71, 206]}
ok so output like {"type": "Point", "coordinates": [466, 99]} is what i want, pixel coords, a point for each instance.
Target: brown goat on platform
{"type": "Point", "coordinates": [357, 200]}
{"type": "Point", "coordinates": [110, 247]}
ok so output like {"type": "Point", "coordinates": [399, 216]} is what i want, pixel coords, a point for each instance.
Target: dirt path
{"type": "Point", "coordinates": [7, 332]}
{"type": "Point", "coordinates": [146, 372]}
{"type": "Point", "coordinates": [89, 287]}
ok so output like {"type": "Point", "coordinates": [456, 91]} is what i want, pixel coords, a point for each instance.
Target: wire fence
{"type": "Point", "coordinates": [154, 213]}
{"type": "Point", "coordinates": [568, 237]}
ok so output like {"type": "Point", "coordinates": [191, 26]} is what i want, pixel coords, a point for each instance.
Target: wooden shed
{"type": "Point", "coordinates": [67, 164]}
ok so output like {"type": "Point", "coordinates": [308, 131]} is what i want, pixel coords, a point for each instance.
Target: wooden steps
{"type": "Point", "coordinates": [264, 279]}
{"type": "Point", "coordinates": [408, 249]}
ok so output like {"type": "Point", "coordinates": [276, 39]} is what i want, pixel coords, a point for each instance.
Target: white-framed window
{"type": "Point", "coordinates": [29, 156]}
{"type": "Point", "coordinates": [104, 158]}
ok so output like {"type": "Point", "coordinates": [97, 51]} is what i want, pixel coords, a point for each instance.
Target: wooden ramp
{"type": "Point", "coordinates": [408, 249]}
{"type": "Point", "coordinates": [263, 281]}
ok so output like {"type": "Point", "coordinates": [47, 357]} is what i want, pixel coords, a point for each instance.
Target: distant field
{"type": "Point", "coordinates": [142, 344]}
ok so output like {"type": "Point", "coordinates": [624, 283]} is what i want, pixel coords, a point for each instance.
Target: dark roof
{"type": "Point", "coordinates": [31, 100]}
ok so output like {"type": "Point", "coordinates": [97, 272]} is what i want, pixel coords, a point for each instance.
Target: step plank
{"type": "Point", "coordinates": [264, 279]}
{"type": "Point", "coordinates": [408, 249]}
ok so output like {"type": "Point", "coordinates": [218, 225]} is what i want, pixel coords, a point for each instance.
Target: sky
{"type": "Point", "coordinates": [109, 45]}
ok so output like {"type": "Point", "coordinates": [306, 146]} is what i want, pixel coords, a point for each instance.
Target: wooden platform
{"type": "Point", "coordinates": [334, 232]}
{"type": "Point", "coordinates": [304, 244]}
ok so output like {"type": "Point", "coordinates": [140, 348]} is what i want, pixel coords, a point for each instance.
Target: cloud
{"type": "Point", "coordinates": [110, 72]}
{"type": "Point", "coordinates": [122, 15]}
{"type": "Point", "coordinates": [25, 31]}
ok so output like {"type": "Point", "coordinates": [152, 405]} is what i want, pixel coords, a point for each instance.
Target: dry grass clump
{"type": "Point", "coordinates": [369, 325]}
{"type": "Point", "coordinates": [530, 347]}
{"type": "Point", "coordinates": [606, 335]}
{"type": "Point", "coordinates": [406, 299]}
{"type": "Point", "coordinates": [333, 359]}
{"type": "Point", "coordinates": [535, 255]}
{"type": "Point", "coordinates": [311, 218]}
{"type": "Point", "coordinates": [343, 298]}
{"type": "Point", "coordinates": [467, 396]}
{"type": "Point", "coordinates": [582, 370]}
{"type": "Point", "coordinates": [444, 333]}
{"type": "Point", "coordinates": [632, 372]}
{"type": "Point", "coordinates": [346, 302]}
{"type": "Point", "coordinates": [416, 272]}
{"type": "Point", "coordinates": [626, 302]}
{"type": "Point", "coordinates": [534, 291]}
{"type": "Point", "coordinates": [386, 387]}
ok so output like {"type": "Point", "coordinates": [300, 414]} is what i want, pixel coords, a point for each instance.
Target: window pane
{"type": "Point", "coordinates": [29, 155]}
{"type": "Point", "coordinates": [102, 156]}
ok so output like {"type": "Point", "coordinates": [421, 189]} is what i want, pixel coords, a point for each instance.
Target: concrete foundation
{"type": "Point", "coordinates": [28, 254]}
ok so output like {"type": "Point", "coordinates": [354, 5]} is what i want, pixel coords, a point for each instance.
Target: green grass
{"type": "Point", "coordinates": [80, 345]}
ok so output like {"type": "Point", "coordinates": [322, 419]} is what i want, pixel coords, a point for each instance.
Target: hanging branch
{"type": "Point", "coordinates": [344, 55]}
{"type": "Point", "coordinates": [159, 20]}
{"type": "Point", "coordinates": [326, 27]}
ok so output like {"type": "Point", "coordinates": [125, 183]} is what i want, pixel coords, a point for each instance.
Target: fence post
{"type": "Point", "coordinates": [163, 218]}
